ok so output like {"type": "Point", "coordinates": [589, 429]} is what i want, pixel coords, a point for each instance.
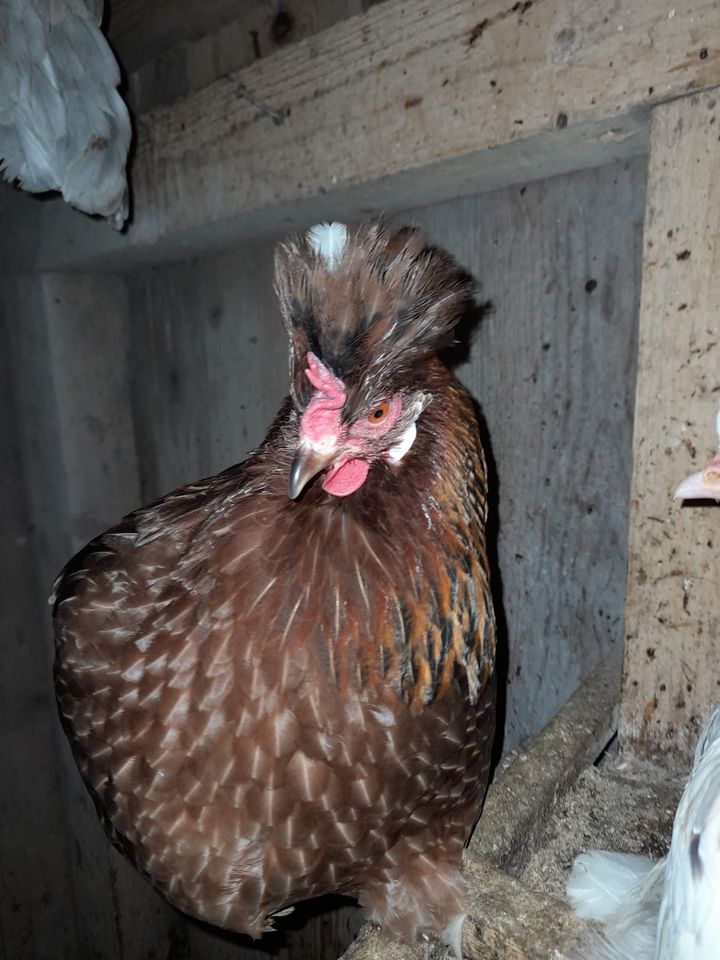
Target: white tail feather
{"type": "Point", "coordinates": [601, 882]}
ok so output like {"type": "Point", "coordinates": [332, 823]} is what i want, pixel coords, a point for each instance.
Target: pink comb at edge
{"type": "Point", "coordinates": [325, 381]}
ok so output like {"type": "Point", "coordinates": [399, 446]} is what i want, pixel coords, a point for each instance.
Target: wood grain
{"type": "Point", "coordinates": [552, 365]}
{"type": "Point", "coordinates": [386, 110]}
{"type": "Point", "coordinates": [36, 852]}
{"type": "Point", "coordinates": [76, 448]}
{"type": "Point", "coordinates": [672, 646]}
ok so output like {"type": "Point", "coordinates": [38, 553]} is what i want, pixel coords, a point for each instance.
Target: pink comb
{"type": "Point", "coordinates": [326, 382]}
{"type": "Point", "coordinates": [321, 421]}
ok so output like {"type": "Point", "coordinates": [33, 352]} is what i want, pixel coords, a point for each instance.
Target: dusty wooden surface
{"type": "Point", "coordinates": [672, 648]}
{"type": "Point", "coordinates": [381, 111]}
{"type": "Point", "coordinates": [520, 803]}
{"type": "Point", "coordinates": [552, 365]}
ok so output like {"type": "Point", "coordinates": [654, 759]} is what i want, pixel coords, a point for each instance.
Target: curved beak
{"type": "Point", "coordinates": [704, 485]}
{"type": "Point", "coordinates": [306, 465]}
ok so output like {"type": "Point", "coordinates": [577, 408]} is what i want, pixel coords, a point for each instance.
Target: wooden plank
{"type": "Point", "coordinates": [70, 373]}
{"type": "Point", "coordinates": [30, 332]}
{"type": "Point", "coordinates": [37, 907]}
{"type": "Point", "coordinates": [519, 804]}
{"type": "Point", "coordinates": [383, 110]}
{"type": "Point", "coordinates": [672, 647]}
{"type": "Point", "coordinates": [209, 358]}
{"type": "Point", "coordinates": [552, 365]}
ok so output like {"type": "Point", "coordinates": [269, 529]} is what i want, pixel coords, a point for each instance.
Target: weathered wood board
{"type": "Point", "coordinates": [66, 346]}
{"type": "Point", "coordinates": [552, 365]}
{"type": "Point", "coordinates": [37, 859]}
{"type": "Point", "coordinates": [672, 646]}
{"type": "Point", "coordinates": [388, 109]}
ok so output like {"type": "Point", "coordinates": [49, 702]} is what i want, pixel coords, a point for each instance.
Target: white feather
{"type": "Point", "coordinates": [452, 935]}
{"type": "Point", "coordinates": [328, 241]}
{"type": "Point", "coordinates": [601, 882]}
{"type": "Point", "coordinates": [399, 449]}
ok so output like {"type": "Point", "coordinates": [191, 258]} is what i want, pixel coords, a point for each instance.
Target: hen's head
{"type": "Point", "coordinates": [365, 310]}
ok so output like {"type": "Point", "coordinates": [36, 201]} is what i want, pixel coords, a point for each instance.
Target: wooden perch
{"type": "Point", "coordinates": [519, 803]}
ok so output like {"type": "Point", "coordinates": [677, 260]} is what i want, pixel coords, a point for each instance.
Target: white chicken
{"type": "Point", "coordinates": [63, 124]}
{"type": "Point", "coordinates": [668, 910]}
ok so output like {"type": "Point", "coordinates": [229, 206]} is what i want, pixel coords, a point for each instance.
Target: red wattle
{"type": "Point", "coordinates": [347, 478]}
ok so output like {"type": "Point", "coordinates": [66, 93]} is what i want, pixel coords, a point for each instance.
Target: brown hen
{"type": "Point", "coordinates": [273, 694]}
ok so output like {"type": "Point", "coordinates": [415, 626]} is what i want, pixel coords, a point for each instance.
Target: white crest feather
{"type": "Point", "coordinates": [328, 240]}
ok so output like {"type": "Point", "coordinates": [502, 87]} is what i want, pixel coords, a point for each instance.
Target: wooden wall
{"type": "Point", "coordinates": [122, 391]}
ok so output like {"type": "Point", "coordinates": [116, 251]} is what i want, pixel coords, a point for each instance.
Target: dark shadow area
{"type": "Point", "coordinates": [459, 353]}
{"type": "Point", "coordinates": [322, 909]}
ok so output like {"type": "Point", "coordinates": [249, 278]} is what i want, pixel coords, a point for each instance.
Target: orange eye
{"type": "Point", "coordinates": [379, 413]}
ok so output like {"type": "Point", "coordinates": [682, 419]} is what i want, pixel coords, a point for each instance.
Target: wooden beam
{"type": "Point", "coordinates": [520, 802]}
{"type": "Point", "coordinates": [672, 650]}
{"type": "Point", "coordinates": [393, 107]}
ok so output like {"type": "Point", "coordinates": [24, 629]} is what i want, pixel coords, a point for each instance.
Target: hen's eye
{"type": "Point", "coordinates": [378, 414]}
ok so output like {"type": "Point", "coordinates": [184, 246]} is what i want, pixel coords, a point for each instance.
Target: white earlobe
{"type": "Point", "coordinates": [399, 449]}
